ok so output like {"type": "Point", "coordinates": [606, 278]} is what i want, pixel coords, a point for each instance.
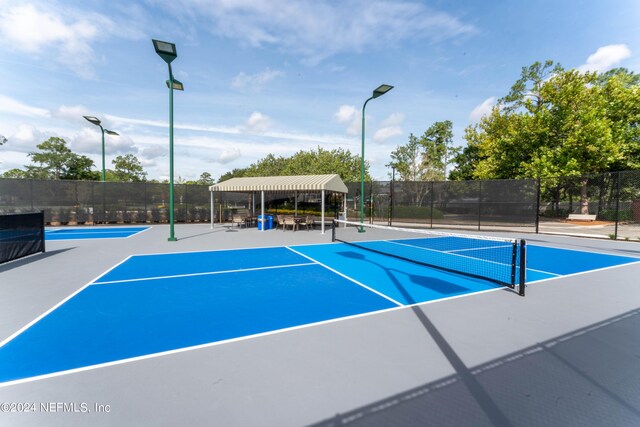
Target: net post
{"type": "Point", "coordinates": [514, 263]}
{"type": "Point", "coordinates": [333, 230]}
{"type": "Point", "coordinates": [523, 267]}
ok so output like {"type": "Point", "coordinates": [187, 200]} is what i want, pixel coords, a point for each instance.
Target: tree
{"type": "Point", "coordinates": [438, 149]}
{"type": "Point", "coordinates": [408, 161]}
{"type": "Point", "coordinates": [205, 179]}
{"type": "Point", "coordinates": [15, 173]}
{"type": "Point", "coordinates": [311, 162]}
{"type": "Point", "coordinates": [556, 122]}
{"type": "Point", "coordinates": [80, 168]}
{"type": "Point", "coordinates": [52, 158]}
{"type": "Point", "coordinates": [128, 168]}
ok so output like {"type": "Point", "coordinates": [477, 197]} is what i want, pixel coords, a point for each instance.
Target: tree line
{"type": "Point", "coordinates": [553, 122]}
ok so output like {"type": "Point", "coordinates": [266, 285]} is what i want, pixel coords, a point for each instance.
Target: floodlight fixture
{"type": "Point", "coordinates": [381, 90]}
{"type": "Point", "coordinates": [177, 84]}
{"type": "Point", "coordinates": [165, 50]}
{"type": "Point", "coordinates": [93, 120]}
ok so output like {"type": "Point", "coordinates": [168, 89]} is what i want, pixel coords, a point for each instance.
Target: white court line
{"type": "Point", "coordinates": [209, 345]}
{"type": "Point", "coordinates": [138, 232]}
{"type": "Point", "coordinates": [478, 249]}
{"type": "Point", "coordinates": [435, 250]}
{"type": "Point", "coordinates": [192, 348]}
{"type": "Point", "coordinates": [583, 272]}
{"type": "Point", "coordinates": [206, 273]}
{"type": "Point", "coordinates": [345, 276]}
{"type": "Point", "coordinates": [34, 321]}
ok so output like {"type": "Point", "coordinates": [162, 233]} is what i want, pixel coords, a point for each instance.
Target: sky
{"type": "Point", "coordinates": [278, 76]}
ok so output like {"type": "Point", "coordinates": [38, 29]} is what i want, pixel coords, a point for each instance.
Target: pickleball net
{"type": "Point", "coordinates": [496, 259]}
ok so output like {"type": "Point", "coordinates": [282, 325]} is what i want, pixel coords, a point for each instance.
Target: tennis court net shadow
{"type": "Point", "coordinates": [31, 258]}
{"type": "Point", "coordinates": [571, 380]}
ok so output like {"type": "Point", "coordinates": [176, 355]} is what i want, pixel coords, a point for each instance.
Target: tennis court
{"type": "Point", "coordinates": [92, 233]}
{"type": "Point", "coordinates": [273, 328]}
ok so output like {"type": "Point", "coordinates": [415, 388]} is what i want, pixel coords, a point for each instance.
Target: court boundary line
{"type": "Point", "coordinates": [49, 311]}
{"type": "Point", "coordinates": [236, 339]}
{"type": "Point", "coordinates": [247, 337]}
{"type": "Point", "coordinates": [205, 273]}
{"type": "Point", "coordinates": [346, 277]}
{"type": "Point", "coordinates": [584, 272]}
{"type": "Point", "coordinates": [446, 252]}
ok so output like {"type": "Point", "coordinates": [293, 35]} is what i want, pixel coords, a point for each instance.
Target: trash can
{"type": "Point", "coordinates": [263, 223]}
{"type": "Point", "coordinates": [266, 223]}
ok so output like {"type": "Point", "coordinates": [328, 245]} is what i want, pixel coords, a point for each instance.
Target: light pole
{"type": "Point", "coordinates": [97, 122]}
{"type": "Point", "coordinates": [379, 91]}
{"type": "Point", "coordinates": [167, 51]}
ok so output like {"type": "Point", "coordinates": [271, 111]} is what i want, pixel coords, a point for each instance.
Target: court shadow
{"type": "Point", "coordinates": [215, 230]}
{"type": "Point", "coordinates": [31, 258]}
{"type": "Point", "coordinates": [484, 401]}
{"type": "Point", "coordinates": [435, 284]}
{"type": "Point", "coordinates": [555, 382]}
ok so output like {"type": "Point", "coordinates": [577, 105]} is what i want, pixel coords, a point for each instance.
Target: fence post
{"type": "Point", "coordinates": [31, 185]}
{"type": "Point", "coordinates": [538, 195]}
{"type": "Point", "coordinates": [615, 233]}
{"type": "Point", "coordinates": [432, 197]}
{"type": "Point", "coordinates": [479, 204]}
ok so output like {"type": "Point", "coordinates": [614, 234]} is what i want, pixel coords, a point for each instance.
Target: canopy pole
{"type": "Point", "coordinates": [344, 206]}
{"type": "Point", "coordinates": [213, 213]}
{"type": "Point", "coordinates": [322, 218]}
{"type": "Point", "coordinates": [262, 210]}
{"type": "Point", "coordinates": [295, 202]}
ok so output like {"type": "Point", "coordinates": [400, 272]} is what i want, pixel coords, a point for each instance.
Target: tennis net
{"type": "Point", "coordinates": [499, 260]}
{"type": "Point", "coordinates": [21, 235]}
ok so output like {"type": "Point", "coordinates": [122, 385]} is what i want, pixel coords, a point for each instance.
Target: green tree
{"type": "Point", "coordinates": [51, 159]}
{"type": "Point", "coordinates": [312, 162]}
{"type": "Point", "coordinates": [128, 168]}
{"type": "Point", "coordinates": [557, 122]}
{"type": "Point", "coordinates": [205, 179]}
{"type": "Point", "coordinates": [80, 168]}
{"type": "Point", "coordinates": [15, 173]}
{"type": "Point", "coordinates": [438, 148]}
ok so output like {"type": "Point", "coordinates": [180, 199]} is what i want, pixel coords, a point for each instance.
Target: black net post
{"type": "Point", "coordinates": [523, 267]}
{"type": "Point", "coordinates": [333, 230]}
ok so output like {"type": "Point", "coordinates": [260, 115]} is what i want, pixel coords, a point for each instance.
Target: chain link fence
{"type": "Point", "coordinates": [605, 205]}
{"type": "Point", "coordinates": [90, 202]}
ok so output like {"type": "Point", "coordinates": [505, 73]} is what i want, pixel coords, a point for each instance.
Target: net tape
{"type": "Point", "coordinates": [497, 259]}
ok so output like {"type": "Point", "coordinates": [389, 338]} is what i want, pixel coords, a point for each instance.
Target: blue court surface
{"type": "Point", "coordinates": [155, 304]}
{"type": "Point", "coordinates": [92, 233]}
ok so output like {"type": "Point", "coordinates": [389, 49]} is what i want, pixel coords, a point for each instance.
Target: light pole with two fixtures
{"type": "Point", "coordinates": [167, 51]}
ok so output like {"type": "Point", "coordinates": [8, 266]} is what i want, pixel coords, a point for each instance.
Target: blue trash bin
{"type": "Point", "coordinates": [269, 222]}
{"type": "Point", "coordinates": [263, 224]}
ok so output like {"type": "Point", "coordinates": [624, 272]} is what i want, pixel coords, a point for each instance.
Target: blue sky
{"type": "Point", "coordinates": [274, 76]}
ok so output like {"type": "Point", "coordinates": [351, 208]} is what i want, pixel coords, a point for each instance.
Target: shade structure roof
{"type": "Point", "coordinates": [331, 182]}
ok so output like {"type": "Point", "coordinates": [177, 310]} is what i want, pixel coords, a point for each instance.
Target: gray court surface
{"type": "Point", "coordinates": [567, 354]}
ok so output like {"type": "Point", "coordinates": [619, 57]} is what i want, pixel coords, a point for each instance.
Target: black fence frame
{"type": "Point", "coordinates": [479, 205]}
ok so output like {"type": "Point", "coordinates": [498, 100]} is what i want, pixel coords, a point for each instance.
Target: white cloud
{"type": "Point", "coordinates": [257, 123]}
{"type": "Point", "coordinates": [386, 133]}
{"type": "Point", "coordinates": [482, 110]}
{"type": "Point", "coordinates": [317, 30]}
{"type": "Point", "coordinates": [348, 115]}
{"type": "Point", "coordinates": [155, 151]}
{"type": "Point", "coordinates": [395, 119]}
{"type": "Point", "coordinates": [60, 33]}
{"type": "Point", "coordinates": [89, 141]}
{"type": "Point", "coordinates": [606, 57]}
{"type": "Point", "coordinates": [25, 139]}
{"type": "Point", "coordinates": [12, 106]}
{"type": "Point", "coordinates": [255, 82]}
{"type": "Point", "coordinates": [229, 155]}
